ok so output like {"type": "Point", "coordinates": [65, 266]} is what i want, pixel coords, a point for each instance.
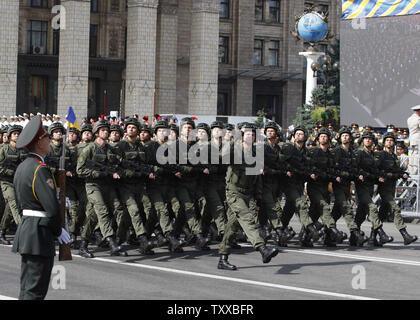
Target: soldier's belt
{"type": "Point", "coordinates": [34, 213]}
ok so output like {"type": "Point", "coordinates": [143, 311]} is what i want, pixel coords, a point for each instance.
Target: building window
{"type": "Point", "coordinates": [38, 89]}
{"type": "Point", "coordinates": [223, 50]}
{"type": "Point", "coordinates": [93, 40]}
{"type": "Point", "coordinates": [224, 9]}
{"type": "Point", "coordinates": [259, 10]}
{"type": "Point", "coordinates": [270, 104]}
{"type": "Point", "coordinates": [37, 37]}
{"type": "Point", "coordinates": [222, 104]}
{"type": "Point", "coordinates": [93, 5]}
{"type": "Point", "coordinates": [56, 42]}
{"type": "Point", "coordinates": [308, 6]}
{"type": "Point", "coordinates": [275, 11]}
{"type": "Point", "coordinates": [273, 53]}
{"type": "Point", "coordinates": [57, 2]}
{"type": "Point", "coordinates": [39, 3]}
{"type": "Point", "coordinates": [115, 5]}
{"type": "Point", "coordinates": [322, 8]}
{"type": "Point", "coordinates": [258, 52]}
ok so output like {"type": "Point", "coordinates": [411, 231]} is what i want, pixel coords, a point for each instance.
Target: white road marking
{"type": "Point", "coordinates": [238, 280]}
{"type": "Point", "coordinates": [6, 298]}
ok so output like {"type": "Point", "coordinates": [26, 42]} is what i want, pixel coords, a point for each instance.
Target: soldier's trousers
{"type": "Point", "coordinates": [186, 195]}
{"type": "Point", "coordinates": [240, 213]}
{"type": "Point", "coordinates": [130, 195]}
{"type": "Point", "coordinates": [342, 204]}
{"type": "Point", "coordinates": [388, 205]}
{"type": "Point", "coordinates": [77, 195]}
{"type": "Point", "coordinates": [270, 205]}
{"type": "Point", "coordinates": [7, 218]}
{"type": "Point", "coordinates": [364, 191]}
{"type": "Point", "coordinates": [160, 195]}
{"type": "Point", "coordinates": [107, 206]}
{"type": "Point", "coordinates": [216, 196]}
{"type": "Point", "coordinates": [35, 276]}
{"type": "Point", "coordinates": [319, 196]}
{"type": "Point", "coordinates": [295, 202]}
{"type": "Point", "coordinates": [91, 220]}
{"type": "Point", "coordinates": [9, 195]}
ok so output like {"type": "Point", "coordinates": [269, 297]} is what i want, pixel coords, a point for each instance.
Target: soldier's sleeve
{"type": "Point", "coordinates": [3, 170]}
{"type": "Point", "coordinates": [44, 189]}
{"type": "Point", "coordinates": [82, 168]}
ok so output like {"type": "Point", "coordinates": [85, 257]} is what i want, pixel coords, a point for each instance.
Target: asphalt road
{"type": "Point", "coordinates": [390, 272]}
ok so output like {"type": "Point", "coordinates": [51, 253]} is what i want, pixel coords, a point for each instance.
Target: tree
{"type": "Point", "coordinates": [260, 121]}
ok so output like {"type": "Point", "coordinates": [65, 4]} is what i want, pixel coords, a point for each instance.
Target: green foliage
{"type": "Point", "coordinates": [261, 115]}
{"type": "Point", "coordinates": [303, 116]}
{"type": "Point", "coordinates": [326, 115]}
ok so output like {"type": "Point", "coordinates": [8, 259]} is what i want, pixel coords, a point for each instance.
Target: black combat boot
{"type": "Point", "coordinates": [383, 237]}
{"type": "Point", "coordinates": [83, 249]}
{"type": "Point", "coordinates": [357, 238]}
{"type": "Point", "coordinates": [407, 237]}
{"type": "Point", "coordinates": [343, 236]}
{"type": "Point", "coordinates": [280, 237]}
{"type": "Point", "coordinates": [314, 233]}
{"type": "Point", "coordinates": [267, 253]}
{"type": "Point", "coordinates": [145, 246]}
{"type": "Point", "coordinates": [132, 238]}
{"type": "Point", "coordinates": [175, 245]}
{"type": "Point", "coordinates": [224, 263]}
{"type": "Point", "coordinates": [3, 239]}
{"type": "Point", "coordinates": [73, 241]}
{"type": "Point", "coordinates": [262, 231]}
{"type": "Point", "coordinates": [202, 242]}
{"type": "Point", "coordinates": [234, 245]}
{"type": "Point", "coordinates": [100, 241]}
{"type": "Point", "coordinates": [372, 241]}
{"type": "Point", "coordinates": [290, 233]}
{"type": "Point", "coordinates": [115, 249]}
{"type": "Point", "coordinates": [305, 239]}
{"type": "Point", "coordinates": [331, 237]}
{"type": "Point", "coordinates": [161, 240]}
{"type": "Point", "coordinates": [189, 237]}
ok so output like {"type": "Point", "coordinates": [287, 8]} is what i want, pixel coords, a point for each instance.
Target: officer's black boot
{"type": "Point", "coordinates": [267, 253]}
{"type": "Point", "coordinates": [331, 237]}
{"type": "Point", "coordinates": [407, 237]}
{"type": "Point", "coordinates": [383, 237]}
{"type": "Point", "coordinates": [115, 249]}
{"type": "Point", "coordinates": [145, 246]}
{"type": "Point", "coordinates": [357, 238]}
{"type": "Point", "coordinates": [372, 241]}
{"type": "Point", "coordinates": [3, 239]}
{"type": "Point", "coordinates": [202, 242]}
{"type": "Point", "coordinates": [224, 263]}
{"type": "Point", "coordinates": [314, 232]}
{"type": "Point", "coordinates": [175, 245]}
{"type": "Point", "coordinates": [83, 249]}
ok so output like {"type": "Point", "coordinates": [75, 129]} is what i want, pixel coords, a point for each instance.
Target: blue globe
{"type": "Point", "coordinates": [312, 28]}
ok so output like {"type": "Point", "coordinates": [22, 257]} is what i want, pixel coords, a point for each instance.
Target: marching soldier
{"type": "Point", "coordinates": [367, 177]}
{"type": "Point", "coordinates": [97, 165]}
{"type": "Point", "coordinates": [296, 157]}
{"type": "Point", "coordinates": [243, 195]}
{"type": "Point", "coordinates": [36, 195]}
{"type": "Point", "coordinates": [10, 158]}
{"type": "Point", "coordinates": [344, 165]}
{"type": "Point", "coordinates": [390, 171]}
{"type": "Point", "coordinates": [320, 165]}
{"type": "Point", "coordinates": [273, 180]}
{"type": "Point", "coordinates": [187, 175]}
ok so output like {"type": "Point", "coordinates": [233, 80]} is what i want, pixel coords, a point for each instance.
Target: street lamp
{"type": "Point", "coordinates": [324, 69]}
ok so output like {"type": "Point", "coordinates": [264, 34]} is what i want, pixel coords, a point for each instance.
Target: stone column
{"type": "Point", "coordinates": [141, 57]}
{"type": "Point", "coordinates": [9, 34]}
{"type": "Point", "coordinates": [166, 56]}
{"type": "Point", "coordinates": [73, 66]}
{"type": "Point", "coordinates": [311, 81]}
{"type": "Point", "coordinates": [204, 57]}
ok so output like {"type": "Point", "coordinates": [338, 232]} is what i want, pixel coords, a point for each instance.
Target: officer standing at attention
{"type": "Point", "coordinates": [413, 124]}
{"type": "Point", "coordinates": [36, 195]}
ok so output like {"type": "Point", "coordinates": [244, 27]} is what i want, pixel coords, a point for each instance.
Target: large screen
{"type": "Point", "coordinates": [380, 70]}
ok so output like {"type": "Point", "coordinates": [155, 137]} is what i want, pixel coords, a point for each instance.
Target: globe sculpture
{"type": "Point", "coordinates": [312, 27]}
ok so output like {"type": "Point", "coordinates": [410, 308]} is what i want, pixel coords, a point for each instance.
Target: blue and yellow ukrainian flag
{"type": "Point", "coordinates": [352, 9]}
{"type": "Point", "coordinates": [71, 119]}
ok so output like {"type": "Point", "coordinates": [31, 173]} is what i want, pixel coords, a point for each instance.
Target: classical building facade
{"type": "Point", "coordinates": [224, 57]}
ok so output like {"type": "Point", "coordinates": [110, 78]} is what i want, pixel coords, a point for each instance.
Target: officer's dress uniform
{"type": "Point", "coordinates": [36, 195]}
